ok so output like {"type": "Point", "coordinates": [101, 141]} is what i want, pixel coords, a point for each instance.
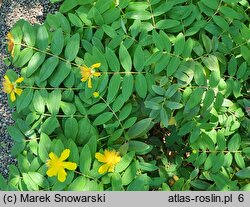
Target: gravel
{"type": "Point", "coordinates": [11, 11]}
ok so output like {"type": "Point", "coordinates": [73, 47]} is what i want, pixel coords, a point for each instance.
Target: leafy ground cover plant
{"type": "Point", "coordinates": [131, 95]}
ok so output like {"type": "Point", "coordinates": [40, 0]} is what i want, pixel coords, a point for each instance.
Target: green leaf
{"type": "Point", "coordinates": [29, 34]}
{"type": "Point", "coordinates": [211, 62]}
{"type": "Point", "coordinates": [200, 159]}
{"type": "Point", "coordinates": [206, 42]}
{"type": "Point", "coordinates": [139, 147]}
{"type": "Point", "coordinates": [67, 5]}
{"type": "Point", "coordinates": [173, 105]}
{"type": "Point", "coordinates": [199, 75]}
{"type": "Point", "coordinates": [230, 13]}
{"type": "Point", "coordinates": [141, 183]}
{"type": "Point", "coordinates": [213, 4]}
{"type": "Point", "coordinates": [48, 68]}
{"type": "Point", "coordinates": [221, 141]}
{"type": "Point", "coordinates": [173, 65]}
{"type": "Point", "coordinates": [49, 125]}
{"type": "Point", "coordinates": [219, 162]}
{"type": "Point", "coordinates": [186, 128]}
{"type": "Point", "coordinates": [167, 24]}
{"type": "Point", "coordinates": [114, 86]}
{"type": "Point", "coordinates": [42, 38]}
{"type": "Point", "coordinates": [38, 102]}
{"type": "Point", "coordinates": [79, 105]}
{"type": "Point", "coordinates": [149, 167]}
{"type": "Point", "coordinates": [15, 134]}
{"type": "Point", "coordinates": [116, 181]}
{"type": "Point", "coordinates": [125, 111]}
{"type": "Point", "coordinates": [152, 105]}
{"type": "Point", "coordinates": [139, 59]}
{"type": "Point", "coordinates": [118, 103]}
{"type": "Point", "coordinates": [141, 85]}
{"type": "Point", "coordinates": [139, 15]}
{"type": "Point", "coordinates": [44, 147]}
{"type": "Point", "coordinates": [162, 63]}
{"type": "Point", "coordinates": [57, 42]}
{"type": "Point", "coordinates": [71, 128]}
{"type": "Point", "coordinates": [172, 89]}
{"type": "Point", "coordinates": [245, 52]}
{"type": "Point", "coordinates": [221, 22]}
{"type": "Point", "coordinates": [179, 44]}
{"type": "Point", "coordinates": [194, 99]}
{"type": "Point", "coordinates": [68, 108]}
{"type": "Point", "coordinates": [72, 47]}
{"type": "Point", "coordinates": [200, 184]}
{"type": "Point", "coordinates": [38, 179]}
{"type": "Point", "coordinates": [140, 128]}
{"type": "Point", "coordinates": [239, 160]}
{"type": "Point", "coordinates": [74, 153]}
{"type": "Point", "coordinates": [24, 100]}
{"type": "Point", "coordinates": [31, 185]}
{"type": "Point", "coordinates": [53, 101]}
{"type": "Point", "coordinates": [110, 31]}
{"type": "Point", "coordinates": [60, 74]}
{"type": "Point", "coordinates": [232, 66]}
{"type": "Point", "coordinates": [103, 118]}
{"type": "Point", "coordinates": [195, 135]}
{"type": "Point", "coordinates": [127, 86]}
{"type": "Point", "coordinates": [64, 23]}
{"type": "Point", "coordinates": [125, 58]}
{"type": "Point", "coordinates": [209, 98]}
{"type": "Point", "coordinates": [78, 184]}
{"type": "Point", "coordinates": [234, 142]}
{"type": "Point", "coordinates": [129, 173]}
{"type": "Point", "coordinates": [125, 161]}
{"type": "Point", "coordinates": [34, 63]}
{"type": "Point", "coordinates": [97, 108]}
{"type": "Point", "coordinates": [75, 20]}
{"type": "Point", "coordinates": [24, 57]}
{"type": "Point", "coordinates": [242, 70]}
{"type": "Point", "coordinates": [209, 162]}
{"type": "Point", "coordinates": [244, 173]}
{"type": "Point", "coordinates": [112, 60]}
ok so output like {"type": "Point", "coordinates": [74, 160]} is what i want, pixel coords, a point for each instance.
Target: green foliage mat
{"type": "Point", "coordinates": [170, 95]}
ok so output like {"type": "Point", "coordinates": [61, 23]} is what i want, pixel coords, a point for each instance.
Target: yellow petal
{"type": "Point", "coordinates": [64, 155]}
{"type": "Point", "coordinates": [18, 91]}
{"type": "Point", "coordinates": [61, 175]}
{"type": "Point", "coordinates": [111, 168]}
{"type": "Point", "coordinates": [69, 165]}
{"type": "Point", "coordinates": [89, 83]}
{"type": "Point", "coordinates": [96, 74]}
{"type": "Point", "coordinates": [7, 87]}
{"type": "Point", "coordinates": [100, 157]}
{"type": "Point", "coordinates": [19, 80]}
{"type": "Point", "coordinates": [53, 156]}
{"type": "Point", "coordinates": [7, 79]}
{"type": "Point", "coordinates": [103, 169]}
{"type": "Point", "coordinates": [52, 171]}
{"type": "Point", "coordinates": [12, 96]}
{"type": "Point", "coordinates": [97, 65]}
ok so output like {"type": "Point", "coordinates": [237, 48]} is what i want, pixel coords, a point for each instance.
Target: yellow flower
{"type": "Point", "coordinates": [57, 165]}
{"type": "Point", "coordinates": [96, 94]}
{"type": "Point", "coordinates": [88, 73]}
{"type": "Point", "coordinates": [11, 88]}
{"type": "Point", "coordinates": [11, 44]}
{"type": "Point", "coordinates": [110, 158]}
